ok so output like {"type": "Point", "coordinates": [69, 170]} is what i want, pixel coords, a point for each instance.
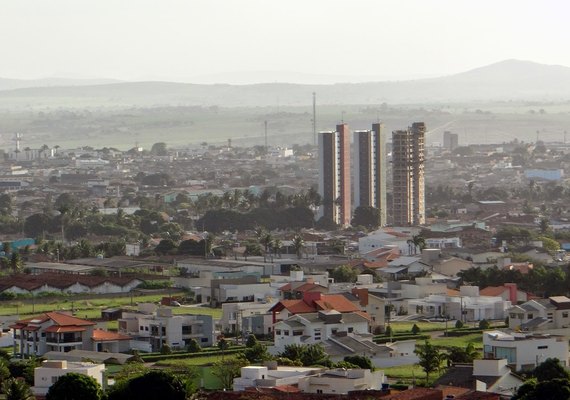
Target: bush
{"type": "Point", "coordinates": [484, 324]}
{"type": "Point", "coordinates": [193, 346]}
{"type": "Point", "coordinates": [459, 324]}
{"type": "Point", "coordinates": [165, 349]}
{"type": "Point", "coordinates": [415, 329]}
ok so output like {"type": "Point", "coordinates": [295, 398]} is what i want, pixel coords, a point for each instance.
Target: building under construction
{"type": "Point", "coordinates": [408, 191]}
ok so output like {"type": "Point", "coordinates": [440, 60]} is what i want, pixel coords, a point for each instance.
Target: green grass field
{"type": "Point", "coordinates": [406, 326]}
{"type": "Point", "coordinates": [461, 341]}
{"type": "Point", "coordinates": [91, 308]}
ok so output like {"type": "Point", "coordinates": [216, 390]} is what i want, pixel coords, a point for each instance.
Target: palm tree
{"type": "Point", "coordinates": [266, 241]}
{"type": "Point", "coordinates": [17, 389]}
{"type": "Point", "coordinates": [298, 244]}
{"type": "Point", "coordinates": [419, 242]}
{"type": "Point", "coordinates": [276, 247]}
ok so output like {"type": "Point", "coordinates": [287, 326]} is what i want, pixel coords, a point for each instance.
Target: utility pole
{"type": "Point", "coordinates": [314, 118]}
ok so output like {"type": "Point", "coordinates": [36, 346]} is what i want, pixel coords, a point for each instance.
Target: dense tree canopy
{"type": "Point", "coordinates": [75, 386]}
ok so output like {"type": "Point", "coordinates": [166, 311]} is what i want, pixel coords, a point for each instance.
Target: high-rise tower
{"type": "Point", "coordinates": [334, 175]}
{"type": "Point", "coordinates": [370, 169]}
{"type": "Point", "coordinates": [408, 175]}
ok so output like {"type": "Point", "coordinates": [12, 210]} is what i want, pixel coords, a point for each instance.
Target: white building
{"type": "Point", "coordinates": [261, 376]}
{"type": "Point", "coordinates": [152, 328]}
{"type": "Point", "coordinates": [541, 314]}
{"type": "Point", "coordinates": [51, 370]}
{"type": "Point", "coordinates": [234, 313]}
{"type": "Point", "coordinates": [468, 306]}
{"type": "Point", "coordinates": [342, 381]}
{"type": "Point", "coordinates": [318, 327]}
{"type": "Point", "coordinates": [524, 351]}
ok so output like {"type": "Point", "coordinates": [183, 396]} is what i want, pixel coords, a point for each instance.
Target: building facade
{"type": "Point", "coordinates": [370, 169]}
{"type": "Point", "coordinates": [334, 175]}
{"type": "Point", "coordinates": [450, 140]}
{"type": "Point", "coordinates": [408, 158]}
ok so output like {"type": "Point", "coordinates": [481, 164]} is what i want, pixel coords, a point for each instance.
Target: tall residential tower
{"type": "Point", "coordinates": [370, 169]}
{"type": "Point", "coordinates": [408, 175]}
{"type": "Point", "coordinates": [334, 175]}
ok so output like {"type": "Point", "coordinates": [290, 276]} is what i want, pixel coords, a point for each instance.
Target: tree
{"type": "Point", "coordinates": [256, 353]}
{"type": "Point", "coordinates": [251, 341]}
{"type": "Point", "coordinates": [165, 246]}
{"type": "Point", "coordinates": [366, 216]}
{"type": "Point", "coordinates": [360, 361]}
{"type": "Point", "coordinates": [75, 386]}
{"type": "Point", "coordinates": [17, 389]}
{"type": "Point", "coordinates": [159, 149]}
{"type": "Point", "coordinates": [193, 346]}
{"type": "Point", "coordinates": [16, 262]}
{"type": "Point", "coordinates": [153, 385]}
{"type": "Point", "coordinates": [227, 370]}
{"type": "Point", "coordinates": [344, 273]}
{"type": "Point", "coordinates": [549, 369]}
{"type": "Point", "coordinates": [223, 345]}
{"type": "Point", "coordinates": [555, 389]}
{"type": "Point", "coordinates": [314, 354]}
{"type": "Point", "coordinates": [429, 358]}
{"type": "Point", "coordinates": [415, 329]}
{"type": "Point", "coordinates": [458, 355]}
{"type": "Point", "coordinates": [484, 324]}
{"type": "Point", "coordinates": [544, 225]}
{"type": "Point", "coordinates": [298, 245]}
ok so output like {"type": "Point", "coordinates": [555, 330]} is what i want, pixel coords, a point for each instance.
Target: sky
{"type": "Point", "coordinates": [206, 41]}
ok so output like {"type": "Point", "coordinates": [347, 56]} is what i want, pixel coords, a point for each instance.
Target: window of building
{"type": "Point", "coordinates": [204, 340]}
{"type": "Point", "coordinates": [278, 331]}
{"type": "Point", "coordinates": [542, 347]}
{"type": "Point", "coordinates": [530, 316]}
{"type": "Point", "coordinates": [565, 314]}
{"type": "Point", "coordinates": [297, 333]}
{"type": "Point", "coordinates": [350, 329]}
{"type": "Point", "coordinates": [54, 379]}
{"type": "Point", "coordinates": [319, 391]}
{"type": "Point", "coordinates": [286, 332]}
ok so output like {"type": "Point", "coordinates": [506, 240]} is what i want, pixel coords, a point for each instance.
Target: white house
{"type": "Point", "coordinates": [151, 328]}
{"type": "Point", "coordinates": [51, 370]}
{"type": "Point", "coordinates": [524, 351]}
{"type": "Point", "coordinates": [317, 327]}
{"type": "Point", "coordinates": [541, 314]}
{"type": "Point", "coordinates": [234, 313]}
{"type": "Point", "coordinates": [467, 306]}
{"type": "Point", "coordinates": [267, 377]}
{"type": "Point", "coordinates": [342, 381]}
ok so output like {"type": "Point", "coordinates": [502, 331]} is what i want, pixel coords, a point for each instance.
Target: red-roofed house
{"type": "Point", "coordinates": [55, 331]}
{"type": "Point", "coordinates": [295, 290]}
{"type": "Point", "coordinates": [508, 291]}
{"type": "Point", "coordinates": [312, 302]}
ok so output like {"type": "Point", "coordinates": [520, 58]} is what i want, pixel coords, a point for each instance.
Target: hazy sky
{"type": "Point", "coordinates": [185, 39]}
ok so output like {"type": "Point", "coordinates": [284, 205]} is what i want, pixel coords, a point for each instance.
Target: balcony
{"type": "Point", "coordinates": [55, 340]}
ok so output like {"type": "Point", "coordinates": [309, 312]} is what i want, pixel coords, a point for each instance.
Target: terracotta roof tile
{"type": "Point", "coordinates": [63, 329]}
{"type": "Point", "coordinates": [99, 335]}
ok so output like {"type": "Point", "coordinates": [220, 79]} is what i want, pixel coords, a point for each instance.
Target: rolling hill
{"type": "Point", "coordinates": [505, 80]}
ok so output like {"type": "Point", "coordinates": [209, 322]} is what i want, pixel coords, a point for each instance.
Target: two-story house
{"type": "Point", "coordinates": [524, 351]}
{"type": "Point", "coordinates": [152, 328]}
{"type": "Point", "coordinates": [541, 314]}
{"type": "Point", "coordinates": [55, 331]}
{"type": "Point", "coordinates": [339, 333]}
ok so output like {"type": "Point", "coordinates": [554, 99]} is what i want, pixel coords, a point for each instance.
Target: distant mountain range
{"type": "Point", "coordinates": [505, 80]}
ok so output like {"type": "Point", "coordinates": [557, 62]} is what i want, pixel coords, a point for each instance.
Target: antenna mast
{"type": "Point", "coordinates": [314, 118]}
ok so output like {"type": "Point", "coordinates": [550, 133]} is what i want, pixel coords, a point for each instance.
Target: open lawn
{"type": "Point", "coordinates": [189, 362]}
{"type": "Point", "coordinates": [406, 326]}
{"type": "Point", "coordinates": [409, 373]}
{"type": "Point", "coordinates": [91, 308]}
{"type": "Point", "coordinates": [461, 341]}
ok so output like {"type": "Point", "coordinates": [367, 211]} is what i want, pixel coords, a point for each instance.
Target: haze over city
{"type": "Point", "coordinates": [294, 200]}
{"type": "Point", "coordinates": [307, 42]}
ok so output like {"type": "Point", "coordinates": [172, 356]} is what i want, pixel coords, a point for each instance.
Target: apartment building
{"type": "Point", "coordinates": [408, 159]}
{"type": "Point", "coordinates": [334, 175]}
